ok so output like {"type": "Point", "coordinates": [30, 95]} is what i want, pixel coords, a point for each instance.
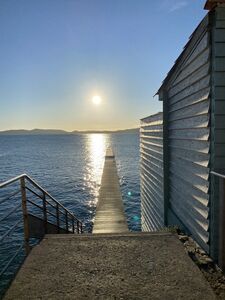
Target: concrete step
{"type": "Point", "coordinates": [110, 266]}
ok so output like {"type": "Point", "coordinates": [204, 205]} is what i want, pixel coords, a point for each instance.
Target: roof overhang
{"type": "Point", "coordinates": [201, 28]}
{"type": "Point", "coordinates": [211, 4]}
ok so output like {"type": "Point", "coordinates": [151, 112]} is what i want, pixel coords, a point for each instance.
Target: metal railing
{"type": "Point", "coordinates": [221, 205]}
{"type": "Point", "coordinates": [41, 213]}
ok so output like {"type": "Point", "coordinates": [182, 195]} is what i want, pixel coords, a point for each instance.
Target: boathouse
{"type": "Point", "coordinates": [183, 149]}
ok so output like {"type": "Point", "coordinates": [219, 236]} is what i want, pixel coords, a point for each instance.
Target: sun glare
{"type": "Point", "coordinates": [96, 100]}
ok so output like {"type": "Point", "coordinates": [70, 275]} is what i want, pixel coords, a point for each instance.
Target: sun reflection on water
{"type": "Point", "coordinates": [96, 147]}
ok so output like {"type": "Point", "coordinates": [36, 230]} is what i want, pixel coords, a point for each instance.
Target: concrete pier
{"type": "Point", "coordinates": [109, 266]}
{"type": "Point", "coordinates": [110, 217]}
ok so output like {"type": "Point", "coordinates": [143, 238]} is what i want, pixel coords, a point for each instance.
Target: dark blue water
{"type": "Point", "coordinates": [69, 167]}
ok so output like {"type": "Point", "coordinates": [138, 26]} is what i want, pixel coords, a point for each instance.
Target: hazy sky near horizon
{"type": "Point", "coordinates": [55, 55]}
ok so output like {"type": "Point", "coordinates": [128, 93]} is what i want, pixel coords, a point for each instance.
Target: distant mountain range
{"type": "Point", "coordinates": [59, 132]}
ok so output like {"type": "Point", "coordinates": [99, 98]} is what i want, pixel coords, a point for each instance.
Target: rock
{"type": "Point", "coordinates": [191, 249]}
{"type": "Point", "coordinates": [208, 260]}
{"type": "Point", "coordinates": [183, 238]}
{"type": "Point", "coordinates": [201, 251]}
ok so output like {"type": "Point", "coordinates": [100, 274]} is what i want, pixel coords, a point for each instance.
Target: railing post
{"type": "Point", "coordinates": [78, 228]}
{"type": "Point", "coordinates": [67, 228]}
{"type": "Point", "coordinates": [73, 224]}
{"type": "Point", "coordinates": [81, 227]}
{"type": "Point", "coordinates": [25, 215]}
{"type": "Point", "coordinates": [221, 258]}
{"type": "Point", "coordinates": [57, 217]}
{"type": "Point", "coordinates": [45, 213]}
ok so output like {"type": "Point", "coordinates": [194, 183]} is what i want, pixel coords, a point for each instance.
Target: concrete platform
{"type": "Point", "coordinates": [110, 216]}
{"type": "Point", "coordinates": [116, 266]}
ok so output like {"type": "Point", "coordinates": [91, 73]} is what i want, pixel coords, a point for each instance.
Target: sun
{"type": "Point", "coordinates": [96, 100]}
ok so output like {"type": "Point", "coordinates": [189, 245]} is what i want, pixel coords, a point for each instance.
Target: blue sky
{"type": "Point", "coordinates": [55, 55]}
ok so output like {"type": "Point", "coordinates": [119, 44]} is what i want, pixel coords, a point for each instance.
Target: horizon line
{"type": "Point", "coordinates": [69, 131]}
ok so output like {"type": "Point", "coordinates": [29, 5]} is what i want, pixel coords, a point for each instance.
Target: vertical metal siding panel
{"type": "Point", "coordinates": [188, 134]}
{"type": "Point", "coordinates": [151, 141]}
{"type": "Point", "coordinates": [219, 87]}
{"type": "Point", "coordinates": [217, 118]}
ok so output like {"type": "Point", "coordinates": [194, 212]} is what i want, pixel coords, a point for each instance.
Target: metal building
{"type": "Point", "coordinates": [193, 95]}
{"type": "Point", "coordinates": [151, 135]}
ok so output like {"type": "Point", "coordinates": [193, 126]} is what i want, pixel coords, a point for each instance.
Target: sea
{"type": "Point", "coordinates": [69, 167]}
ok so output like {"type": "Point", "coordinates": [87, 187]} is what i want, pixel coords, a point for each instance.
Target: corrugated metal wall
{"type": "Point", "coordinates": [218, 92]}
{"type": "Point", "coordinates": [188, 136]}
{"type": "Point", "coordinates": [186, 116]}
{"type": "Point", "coordinates": [217, 117]}
{"type": "Point", "coordinates": [179, 188]}
{"type": "Point", "coordinates": [151, 144]}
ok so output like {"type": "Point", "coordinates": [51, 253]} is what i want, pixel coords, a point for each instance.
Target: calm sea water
{"type": "Point", "coordinates": [69, 167]}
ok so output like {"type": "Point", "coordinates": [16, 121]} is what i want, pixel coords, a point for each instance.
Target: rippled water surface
{"type": "Point", "coordinates": [69, 167]}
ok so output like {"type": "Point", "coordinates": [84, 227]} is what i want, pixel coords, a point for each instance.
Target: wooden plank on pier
{"type": "Point", "coordinates": [110, 217]}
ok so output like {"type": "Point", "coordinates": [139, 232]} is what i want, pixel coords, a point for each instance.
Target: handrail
{"type": "Point", "coordinates": [10, 261]}
{"type": "Point", "coordinates": [41, 197]}
{"type": "Point", "coordinates": [218, 174]}
{"type": "Point", "coordinates": [6, 183]}
{"type": "Point", "coordinates": [49, 207]}
{"type": "Point", "coordinates": [10, 196]}
{"type": "Point", "coordinates": [10, 213]}
{"type": "Point", "coordinates": [9, 231]}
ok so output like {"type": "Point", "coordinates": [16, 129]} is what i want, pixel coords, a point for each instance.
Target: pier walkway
{"type": "Point", "coordinates": [110, 217]}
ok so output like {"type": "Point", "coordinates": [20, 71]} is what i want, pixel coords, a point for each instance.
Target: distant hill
{"type": "Point", "coordinates": [33, 132]}
{"type": "Point", "coordinates": [132, 130]}
{"type": "Point", "coordinates": [90, 131]}
{"type": "Point", "coordinates": [60, 132]}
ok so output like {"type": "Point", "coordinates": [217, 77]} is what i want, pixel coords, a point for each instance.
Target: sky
{"type": "Point", "coordinates": [56, 55]}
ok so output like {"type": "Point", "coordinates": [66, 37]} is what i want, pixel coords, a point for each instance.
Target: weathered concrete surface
{"type": "Point", "coordinates": [129, 266]}
{"type": "Point", "coordinates": [110, 217]}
